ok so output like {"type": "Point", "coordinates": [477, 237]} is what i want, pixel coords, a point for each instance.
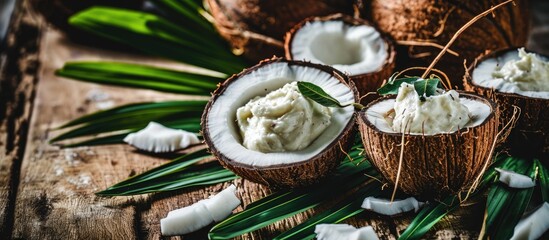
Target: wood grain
{"type": "Point", "coordinates": [48, 193]}
{"type": "Point", "coordinates": [17, 78]}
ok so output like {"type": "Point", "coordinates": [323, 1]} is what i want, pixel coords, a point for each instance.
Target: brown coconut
{"type": "Point", "coordinates": [430, 21]}
{"type": "Point", "coordinates": [530, 135]}
{"type": "Point", "coordinates": [256, 28]}
{"type": "Point", "coordinates": [292, 175]}
{"type": "Point", "coordinates": [433, 166]}
{"type": "Point", "coordinates": [367, 82]}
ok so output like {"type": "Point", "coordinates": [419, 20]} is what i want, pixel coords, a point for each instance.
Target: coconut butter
{"type": "Point", "coordinates": [283, 120]}
{"type": "Point", "coordinates": [440, 113]}
{"type": "Point", "coordinates": [528, 72]}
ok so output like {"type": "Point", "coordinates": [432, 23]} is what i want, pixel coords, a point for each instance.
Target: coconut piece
{"type": "Point", "coordinates": [344, 231]}
{"type": "Point", "coordinates": [351, 45]}
{"type": "Point", "coordinates": [533, 226]}
{"type": "Point", "coordinates": [202, 213]}
{"type": "Point", "coordinates": [256, 28]}
{"type": "Point", "coordinates": [390, 208]}
{"type": "Point", "coordinates": [278, 169]}
{"type": "Point", "coordinates": [515, 180]}
{"type": "Point", "coordinates": [433, 165]}
{"type": "Point", "coordinates": [416, 25]}
{"type": "Point", "coordinates": [158, 138]}
{"type": "Point", "coordinates": [530, 136]}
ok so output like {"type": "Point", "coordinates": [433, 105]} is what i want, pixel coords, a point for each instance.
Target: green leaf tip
{"type": "Point", "coordinates": [423, 87]}
{"type": "Point", "coordinates": [317, 94]}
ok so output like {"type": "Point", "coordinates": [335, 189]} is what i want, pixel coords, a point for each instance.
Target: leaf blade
{"type": "Point", "coordinates": [180, 173]}
{"type": "Point", "coordinates": [426, 87]}
{"type": "Point", "coordinates": [317, 94]}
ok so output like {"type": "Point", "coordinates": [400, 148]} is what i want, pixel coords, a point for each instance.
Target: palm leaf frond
{"type": "Point", "coordinates": [285, 204]}
{"type": "Point", "coordinates": [129, 118]}
{"type": "Point", "coordinates": [180, 173]}
{"type": "Point", "coordinates": [140, 76]}
{"type": "Point", "coordinates": [505, 206]}
{"type": "Point", "coordinates": [543, 180]}
{"type": "Point", "coordinates": [347, 208]}
{"type": "Point", "coordinates": [157, 36]}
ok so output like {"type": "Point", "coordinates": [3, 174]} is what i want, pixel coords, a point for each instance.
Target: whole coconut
{"type": "Point", "coordinates": [437, 21]}
{"type": "Point", "coordinates": [256, 28]}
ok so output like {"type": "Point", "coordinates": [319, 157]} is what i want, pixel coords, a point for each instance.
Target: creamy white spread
{"type": "Point", "coordinates": [283, 120]}
{"type": "Point", "coordinates": [440, 113]}
{"type": "Point", "coordinates": [528, 73]}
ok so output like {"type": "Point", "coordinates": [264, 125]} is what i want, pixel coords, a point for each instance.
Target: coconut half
{"type": "Point", "coordinates": [256, 28]}
{"type": "Point", "coordinates": [348, 44]}
{"type": "Point", "coordinates": [530, 136]}
{"type": "Point", "coordinates": [416, 25]}
{"type": "Point", "coordinates": [278, 169]}
{"type": "Point", "coordinates": [433, 165]}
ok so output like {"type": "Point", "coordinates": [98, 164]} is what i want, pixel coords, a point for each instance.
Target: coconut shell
{"type": "Point", "coordinates": [437, 21]}
{"type": "Point", "coordinates": [365, 83]}
{"type": "Point", "coordinates": [433, 166]}
{"type": "Point", "coordinates": [291, 175]}
{"type": "Point", "coordinates": [255, 28]}
{"type": "Point", "coordinates": [530, 136]}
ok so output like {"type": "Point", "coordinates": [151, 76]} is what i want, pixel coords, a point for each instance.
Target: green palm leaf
{"type": "Point", "coordinates": [285, 204]}
{"type": "Point", "coordinates": [180, 173]}
{"type": "Point", "coordinates": [96, 141]}
{"type": "Point", "coordinates": [505, 205]}
{"type": "Point", "coordinates": [185, 12]}
{"type": "Point", "coordinates": [347, 208]}
{"type": "Point", "coordinates": [129, 118]}
{"type": "Point", "coordinates": [157, 36]}
{"type": "Point", "coordinates": [543, 180]}
{"type": "Point", "coordinates": [140, 76]}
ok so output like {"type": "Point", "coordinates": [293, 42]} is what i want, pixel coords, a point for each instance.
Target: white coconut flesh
{"type": "Point", "coordinates": [515, 180]}
{"type": "Point", "coordinates": [221, 120]}
{"type": "Point", "coordinates": [344, 231]}
{"type": "Point", "coordinates": [352, 49]}
{"type": "Point", "coordinates": [483, 74]}
{"type": "Point", "coordinates": [200, 214]}
{"type": "Point", "coordinates": [533, 225]}
{"type": "Point", "coordinates": [381, 115]}
{"type": "Point", "coordinates": [386, 207]}
{"type": "Point", "coordinates": [158, 138]}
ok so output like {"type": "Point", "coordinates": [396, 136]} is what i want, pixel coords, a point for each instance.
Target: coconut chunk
{"type": "Point", "coordinates": [533, 225]}
{"type": "Point", "coordinates": [515, 180]}
{"type": "Point", "coordinates": [344, 231]}
{"type": "Point", "coordinates": [202, 213]}
{"type": "Point", "coordinates": [386, 207]}
{"type": "Point", "coordinates": [158, 138]}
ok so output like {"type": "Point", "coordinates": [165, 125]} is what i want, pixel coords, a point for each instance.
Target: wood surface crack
{"type": "Point", "coordinates": [18, 78]}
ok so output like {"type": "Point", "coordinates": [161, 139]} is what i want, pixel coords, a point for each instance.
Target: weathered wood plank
{"type": "Point", "coordinates": [56, 194]}
{"type": "Point", "coordinates": [17, 89]}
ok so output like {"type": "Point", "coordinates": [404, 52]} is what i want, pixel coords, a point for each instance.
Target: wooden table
{"type": "Point", "coordinates": [48, 193]}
